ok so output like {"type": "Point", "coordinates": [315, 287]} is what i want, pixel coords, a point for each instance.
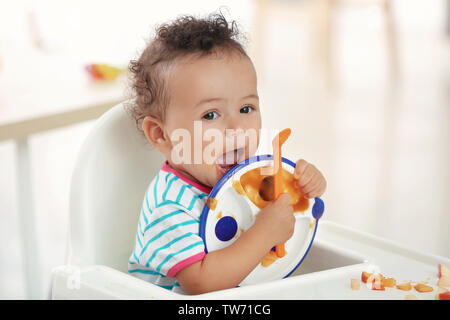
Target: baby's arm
{"type": "Point", "coordinates": [226, 268]}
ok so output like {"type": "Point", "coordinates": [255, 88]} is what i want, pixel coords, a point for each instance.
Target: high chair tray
{"type": "Point", "coordinates": [337, 255]}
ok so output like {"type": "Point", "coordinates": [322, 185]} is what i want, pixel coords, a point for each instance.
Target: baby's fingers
{"type": "Point", "coordinates": [317, 191]}
{"type": "Point", "coordinates": [307, 175]}
{"type": "Point", "coordinates": [300, 167]}
{"type": "Point", "coordinates": [313, 185]}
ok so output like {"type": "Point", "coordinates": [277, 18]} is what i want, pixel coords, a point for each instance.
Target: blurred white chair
{"type": "Point", "coordinates": [112, 172]}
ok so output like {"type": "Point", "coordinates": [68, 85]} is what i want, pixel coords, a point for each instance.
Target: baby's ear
{"type": "Point", "coordinates": [154, 132]}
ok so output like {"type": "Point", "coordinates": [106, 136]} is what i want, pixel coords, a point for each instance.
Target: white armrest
{"type": "Point", "coordinates": [102, 282]}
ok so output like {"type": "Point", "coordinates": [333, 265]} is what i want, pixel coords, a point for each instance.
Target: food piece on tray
{"type": "Point", "coordinates": [388, 282]}
{"type": "Point", "coordinates": [375, 282]}
{"type": "Point", "coordinates": [443, 271]}
{"type": "Point", "coordinates": [442, 294]}
{"type": "Point", "coordinates": [365, 276]}
{"type": "Point", "coordinates": [420, 287]}
{"type": "Point", "coordinates": [444, 281]}
{"type": "Point", "coordinates": [410, 297]}
{"type": "Point", "coordinates": [377, 285]}
{"type": "Point", "coordinates": [354, 284]}
{"type": "Point", "coordinates": [404, 286]}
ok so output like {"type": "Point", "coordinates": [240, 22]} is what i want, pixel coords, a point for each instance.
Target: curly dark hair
{"type": "Point", "coordinates": [184, 36]}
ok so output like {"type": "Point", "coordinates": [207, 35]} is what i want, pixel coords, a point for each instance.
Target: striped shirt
{"type": "Point", "coordinates": [167, 238]}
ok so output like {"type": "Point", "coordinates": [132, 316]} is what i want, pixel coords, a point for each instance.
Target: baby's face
{"type": "Point", "coordinates": [215, 100]}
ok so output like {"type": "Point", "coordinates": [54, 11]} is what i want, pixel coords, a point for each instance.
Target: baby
{"type": "Point", "coordinates": [195, 76]}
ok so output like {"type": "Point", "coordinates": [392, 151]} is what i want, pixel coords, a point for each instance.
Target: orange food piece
{"type": "Point", "coordinates": [211, 203]}
{"type": "Point", "coordinates": [354, 284]}
{"type": "Point", "coordinates": [365, 276]}
{"type": "Point", "coordinates": [238, 187]}
{"type": "Point", "coordinates": [405, 286]}
{"type": "Point", "coordinates": [269, 259]}
{"type": "Point", "coordinates": [377, 286]}
{"type": "Point", "coordinates": [423, 288]}
{"type": "Point", "coordinates": [388, 282]}
{"type": "Point", "coordinates": [250, 183]}
{"type": "Point", "coordinates": [375, 281]}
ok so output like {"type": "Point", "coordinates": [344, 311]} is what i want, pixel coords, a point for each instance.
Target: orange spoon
{"type": "Point", "coordinates": [277, 142]}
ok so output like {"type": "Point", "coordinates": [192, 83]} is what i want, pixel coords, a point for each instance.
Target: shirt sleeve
{"type": "Point", "coordinates": [171, 241]}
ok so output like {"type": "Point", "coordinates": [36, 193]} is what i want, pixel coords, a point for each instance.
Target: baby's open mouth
{"type": "Point", "coordinates": [229, 159]}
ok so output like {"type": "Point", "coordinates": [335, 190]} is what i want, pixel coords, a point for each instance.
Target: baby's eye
{"type": "Point", "coordinates": [210, 115]}
{"type": "Point", "coordinates": [246, 109]}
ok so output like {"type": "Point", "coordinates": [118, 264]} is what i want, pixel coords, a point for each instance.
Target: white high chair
{"type": "Point", "coordinates": [113, 170]}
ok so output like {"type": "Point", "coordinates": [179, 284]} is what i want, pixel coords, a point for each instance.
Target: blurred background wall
{"type": "Point", "coordinates": [365, 86]}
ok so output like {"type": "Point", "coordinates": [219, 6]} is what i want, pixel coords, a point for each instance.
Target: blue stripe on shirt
{"type": "Point", "coordinates": [191, 204]}
{"type": "Point", "coordinates": [154, 189]}
{"type": "Point", "coordinates": [167, 245]}
{"type": "Point", "coordinates": [178, 252]}
{"type": "Point", "coordinates": [165, 231]}
{"type": "Point", "coordinates": [164, 217]}
{"type": "Point", "coordinates": [195, 198]}
{"type": "Point", "coordinates": [168, 187]}
{"type": "Point", "coordinates": [180, 194]}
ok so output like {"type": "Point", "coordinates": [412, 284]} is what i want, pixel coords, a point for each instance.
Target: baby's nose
{"type": "Point", "coordinates": [234, 124]}
{"type": "Point", "coordinates": [235, 137]}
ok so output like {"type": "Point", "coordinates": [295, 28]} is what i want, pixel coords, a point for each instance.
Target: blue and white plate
{"type": "Point", "coordinates": [235, 213]}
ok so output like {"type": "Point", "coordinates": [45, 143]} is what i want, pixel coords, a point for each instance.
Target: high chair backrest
{"type": "Point", "coordinates": [112, 172]}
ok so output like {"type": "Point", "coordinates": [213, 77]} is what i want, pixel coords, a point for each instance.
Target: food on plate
{"type": "Point", "coordinates": [269, 259]}
{"type": "Point", "coordinates": [252, 181]}
{"type": "Point", "coordinates": [238, 187]}
{"type": "Point", "coordinates": [253, 185]}
{"type": "Point", "coordinates": [410, 297]}
{"type": "Point", "coordinates": [211, 203]}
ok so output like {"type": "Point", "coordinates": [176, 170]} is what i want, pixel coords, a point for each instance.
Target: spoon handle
{"type": "Point", "coordinates": [277, 142]}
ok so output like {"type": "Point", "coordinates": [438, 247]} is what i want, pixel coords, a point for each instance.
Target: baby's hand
{"type": "Point", "coordinates": [310, 180]}
{"type": "Point", "coordinates": [276, 220]}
